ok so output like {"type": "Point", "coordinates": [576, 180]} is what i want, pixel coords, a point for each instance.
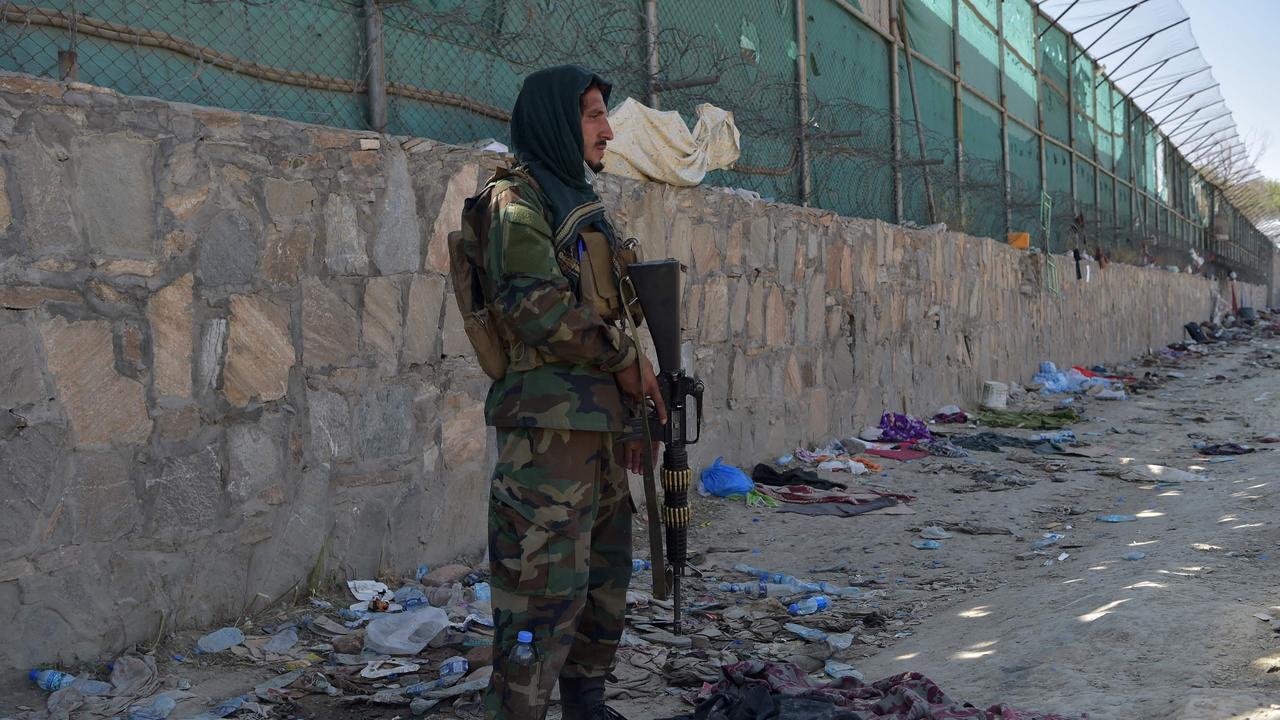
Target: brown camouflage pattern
{"type": "Point", "coordinates": [560, 556]}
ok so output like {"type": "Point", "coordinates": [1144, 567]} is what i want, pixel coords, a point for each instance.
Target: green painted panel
{"type": "Point", "coordinates": [937, 113]}
{"type": "Point", "coordinates": [1054, 109]}
{"type": "Point", "coordinates": [929, 24]}
{"type": "Point", "coordinates": [1020, 27]}
{"type": "Point", "coordinates": [983, 168]}
{"type": "Point", "coordinates": [1019, 88]}
{"type": "Point", "coordinates": [1024, 181]}
{"type": "Point", "coordinates": [979, 58]}
{"type": "Point", "coordinates": [1053, 54]}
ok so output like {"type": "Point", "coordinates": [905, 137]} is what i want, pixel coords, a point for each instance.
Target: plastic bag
{"type": "Point", "coordinates": [724, 480]}
{"type": "Point", "coordinates": [405, 633]}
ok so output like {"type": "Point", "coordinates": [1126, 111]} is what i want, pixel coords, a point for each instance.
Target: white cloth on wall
{"type": "Point", "coordinates": [656, 145]}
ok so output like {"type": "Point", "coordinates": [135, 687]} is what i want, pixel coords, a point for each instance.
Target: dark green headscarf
{"type": "Point", "coordinates": [546, 132]}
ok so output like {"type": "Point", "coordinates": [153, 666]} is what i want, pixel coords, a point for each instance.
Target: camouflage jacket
{"type": "Point", "coordinates": [574, 389]}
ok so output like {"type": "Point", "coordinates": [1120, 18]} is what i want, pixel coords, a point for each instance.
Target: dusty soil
{"type": "Point", "coordinates": [1170, 635]}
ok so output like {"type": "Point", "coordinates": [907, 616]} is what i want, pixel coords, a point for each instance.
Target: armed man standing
{"type": "Point", "coordinates": [549, 264]}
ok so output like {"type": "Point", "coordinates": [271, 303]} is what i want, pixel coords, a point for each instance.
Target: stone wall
{"type": "Point", "coordinates": [229, 361]}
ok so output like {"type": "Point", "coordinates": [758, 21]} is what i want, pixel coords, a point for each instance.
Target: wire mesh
{"type": "Point", "coordinates": [995, 109]}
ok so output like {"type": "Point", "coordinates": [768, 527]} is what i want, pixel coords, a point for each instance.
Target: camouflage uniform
{"type": "Point", "coordinates": [559, 511]}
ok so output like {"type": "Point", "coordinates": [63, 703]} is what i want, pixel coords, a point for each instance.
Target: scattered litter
{"type": "Point", "coordinates": [926, 544]}
{"type": "Point", "coordinates": [933, 532]}
{"type": "Point", "coordinates": [1116, 518]}
{"type": "Point", "coordinates": [220, 640]}
{"type": "Point", "coordinates": [1135, 555]}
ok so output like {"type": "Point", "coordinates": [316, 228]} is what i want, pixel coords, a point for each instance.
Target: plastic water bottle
{"type": "Point", "coordinates": [759, 589]}
{"type": "Point", "coordinates": [808, 606]}
{"type": "Point", "coordinates": [219, 640]}
{"type": "Point", "coordinates": [523, 653]}
{"type": "Point", "coordinates": [777, 578]}
{"type": "Point", "coordinates": [53, 680]}
{"type": "Point", "coordinates": [484, 593]}
{"type": "Point", "coordinates": [805, 633]}
{"type": "Point", "coordinates": [638, 565]}
{"type": "Point", "coordinates": [451, 671]}
{"type": "Point", "coordinates": [159, 709]}
{"type": "Point", "coordinates": [837, 590]}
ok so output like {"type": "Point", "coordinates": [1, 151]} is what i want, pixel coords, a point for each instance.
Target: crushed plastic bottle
{"type": "Point", "coordinates": [831, 589]}
{"type": "Point", "coordinates": [159, 709]}
{"type": "Point", "coordinates": [451, 671]}
{"type": "Point", "coordinates": [282, 641]}
{"type": "Point", "coordinates": [405, 633]}
{"type": "Point", "coordinates": [1048, 539]}
{"type": "Point", "coordinates": [776, 578]}
{"type": "Point", "coordinates": [1117, 518]}
{"type": "Point", "coordinates": [758, 590]}
{"type": "Point", "coordinates": [805, 633]}
{"type": "Point", "coordinates": [219, 640]}
{"type": "Point", "coordinates": [53, 680]}
{"type": "Point", "coordinates": [484, 593]}
{"type": "Point", "coordinates": [808, 606]}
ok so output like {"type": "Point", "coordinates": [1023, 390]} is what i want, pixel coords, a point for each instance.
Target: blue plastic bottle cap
{"type": "Point", "coordinates": [793, 608]}
{"type": "Point", "coordinates": [33, 675]}
{"type": "Point", "coordinates": [822, 603]}
{"type": "Point", "coordinates": [524, 636]}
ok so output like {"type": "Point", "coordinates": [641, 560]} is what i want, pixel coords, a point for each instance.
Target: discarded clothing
{"type": "Point", "coordinates": [951, 418]}
{"type": "Point", "coordinates": [758, 690]}
{"type": "Point", "coordinates": [992, 442]}
{"type": "Point", "coordinates": [904, 454]}
{"type": "Point", "coordinates": [839, 509]}
{"type": "Point", "coordinates": [656, 145]}
{"type": "Point", "coordinates": [764, 474]}
{"type": "Point", "coordinates": [1055, 420]}
{"type": "Point", "coordinates": [943, 448]}
{"type": "Point", "coordinates": [1227, 449]}
{"type": "Point", "coordinates": [902, 428]}
{"type": "Point", "coordinates": [805, 495]}
{"type": "Point", "coordinates": [989, 481]}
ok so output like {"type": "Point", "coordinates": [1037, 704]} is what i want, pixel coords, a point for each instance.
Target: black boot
{"type": "Point", "coordinates": [583, 699]}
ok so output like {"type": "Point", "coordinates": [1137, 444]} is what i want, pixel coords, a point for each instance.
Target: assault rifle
{"type": "Point", "coordinates": [656, 284]}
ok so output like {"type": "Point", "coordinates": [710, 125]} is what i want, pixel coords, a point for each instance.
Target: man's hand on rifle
{"type": "Point", "coordinates": [639, 384]}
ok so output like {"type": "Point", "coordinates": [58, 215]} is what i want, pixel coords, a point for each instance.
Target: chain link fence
{"type": "Point", "coordinates": [811, 84]}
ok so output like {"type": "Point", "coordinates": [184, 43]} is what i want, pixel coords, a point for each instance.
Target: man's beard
{"type": "Point", "coordinates": [596, 167]}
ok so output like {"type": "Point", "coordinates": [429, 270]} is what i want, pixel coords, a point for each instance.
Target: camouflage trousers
{"type": "Point", "coordinates": [560, 555]}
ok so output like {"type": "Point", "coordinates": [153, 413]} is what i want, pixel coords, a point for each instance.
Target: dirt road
{"type": "Point", "coordinates": [1170, 635]}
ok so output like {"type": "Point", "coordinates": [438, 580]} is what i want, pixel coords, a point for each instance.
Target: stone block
{"type": "Point", "coordinates": [397, 245]}
{"type": "Point", "coordinates": [369, 144]}
{"type": "Point", "coordinates": [455, 340]}
{"type": "Point", "coordinates": [381, 326]}
{"type": "Point", "coordinates": [6, 210]}
{"type": "Point", "coordinates": [706, 256]}
{"type": "Point", "coordinates": [775, 319]}
{"type": "Point", "coordinates": [755, 311]}
{"type": "Point", "coordinates": [259, 350]}
{"type": "Point", "coordinates": [169, 312]}
{"type": "Point", "coordinates": [213, 336]}
{"type": "Point", "coordinates": [185, 496]}
{"type": "Point", "coordinates": [32, 467]}
{"type": "Point", "coordinates": [462, 433]}
{"type": "Point", "coordinates": [184, 205]}
{"type": "Point", "coordinates": [21, 369]}
{"type": "Point", "coordinates": [384, 421]}
{"type": "Point", "coordinates": [228, 248]}
{"type": "Point", "coordinates": [284, 254]}
{"type": "Point", "coordinates": [175, 424]}
{"type": "Point", "coordinates": [115, 180]}
{"type": "Point", "coordinates": [449, 217]}
{"type": "Point", "coordinates": [344, 252]}
{"type": "Point", "coordinates": [102, 405]}
{"type": "Point", "coordinates": [255, 459]}
{"type": "Point", "coordinates": [329, 326]}
{"type": "Point", "coordinates": [815, 308]}
{"type": "Point", "coordinates": [288, 199]}
{"type": "Point", "coordinates": [715, 316]}
{"type": "Point", "coordinates": [787, 237]}
{"type": "Point", "coordinates": [422, 320]}
{"type": "Point", "coordinates": [49, 227]}
{"type": "Point", "coordinates": [329, 417]}
{"type": "Point", "coordinates": [738, 311]}
{"type": "Point", "coordinates": [104, 502]}
{"type": "Point", "coordinates": [26, 297]}
{"type": "Point", "coordinates": [759, 248]}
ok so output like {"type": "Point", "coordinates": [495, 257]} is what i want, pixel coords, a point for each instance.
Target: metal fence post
{"type": "Point", "coordinates": [651, 49]}
{"type": "Point", "coordinates": [895, 110]}
{"type": "Point", "coordinates": [802, 75]}
{"type": "Point", "coordinates": [376, 84]}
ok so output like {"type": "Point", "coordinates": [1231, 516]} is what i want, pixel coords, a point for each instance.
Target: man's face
{"type": "Point", "coordinates": [596, 132]}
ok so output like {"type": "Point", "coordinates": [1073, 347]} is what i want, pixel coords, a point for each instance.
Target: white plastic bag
{"type": "Point", "coordinates": [405, 633]}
